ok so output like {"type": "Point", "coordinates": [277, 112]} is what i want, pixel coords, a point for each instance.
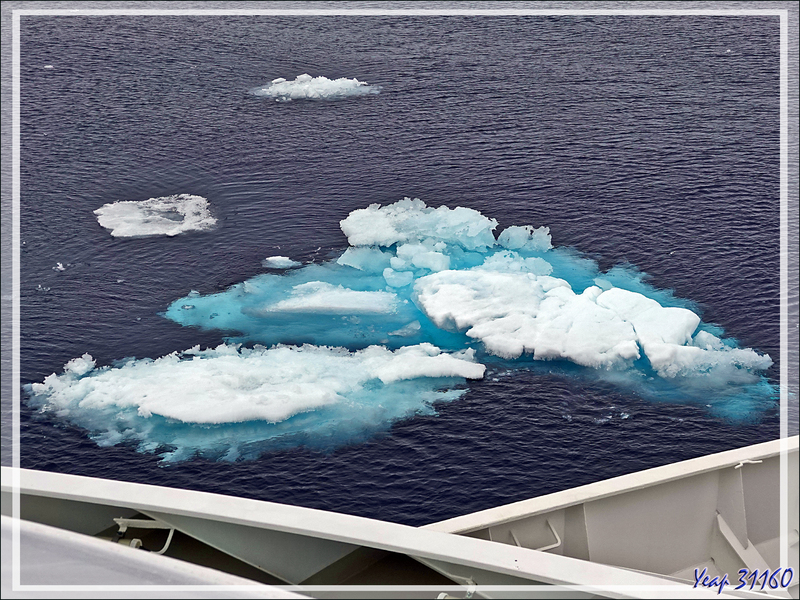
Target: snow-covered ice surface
{"type": "Point", "coordinates": [228, 400]}
{"type": "Point", "coordinates": [279, 262]}
{"type": "Point", "coordinates": [397, 322]}
{"type": "Point", "coordinates": [306, 87]}
{"type": "Point", "coordinates": [170, 215]}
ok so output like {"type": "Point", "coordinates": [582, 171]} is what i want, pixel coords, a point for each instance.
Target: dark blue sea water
{"type": "Point", "coordinates": [649, 142]}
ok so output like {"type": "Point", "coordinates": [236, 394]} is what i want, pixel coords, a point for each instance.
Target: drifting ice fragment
{"type": "Point", "coordinates": [370, 260]}
{"type": "Point", "coordinates": [409, 330]}
{"type": "Point", "coordinates": [397, 278]}
{"type": "Point", "coordinates": [527, 237]}
{"type": "Point", "coordinates": [280, 262]}
{"type": "Point", "coordinates": [170, 215]}
{"type": "Point", "coordinates": [412, 221]}
{"type": "Point", "coordinates": [315, 88]}
{"type": "Point", "coordinates": [210, 400]}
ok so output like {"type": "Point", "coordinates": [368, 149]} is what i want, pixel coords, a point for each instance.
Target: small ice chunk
{"type": "Point", "coordinates": [80, 366]}
{"type": "Point", "coordinates": [516, 238]}
{"type": "Point", "coordinates": [707, 341]}
{"type": "Point", "coordinates": [398, 264]}
{"type": "Point", "coordinates": [170, 215]}
{"type": "Point", "coordinates": [409, 330]}
{"type": "Point", "coordinates": [603, 284]}
{"type": "Point", "coordinates": [315, 88]}
{"type": "Point", "coordinates": [369, 260]}
{"type": "Point", "coordinates": [422, 257]}
{"type": "Point", "coordinates": [411, 221]}
{"type": "Point", "coordinates": [279, 262]}
{"type": "Point", "coordinates": [511, 262]}
{"type": "Point", "coordinates": [397, 279]}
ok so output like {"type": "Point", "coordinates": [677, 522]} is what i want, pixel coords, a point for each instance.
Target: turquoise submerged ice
{"type": "Point", "coordinates": [416, 274]}
{"type": "Point", "coordinates": [330, 353]}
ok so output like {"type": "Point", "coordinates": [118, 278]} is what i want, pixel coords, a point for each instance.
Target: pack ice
{"type": "Point", "coordinates": [444, 269]}
{"type": "Point", "coordinates": [421, 297]}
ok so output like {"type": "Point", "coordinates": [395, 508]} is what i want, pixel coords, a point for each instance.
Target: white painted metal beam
{"type": "Point", "coordinates": [477, 556]}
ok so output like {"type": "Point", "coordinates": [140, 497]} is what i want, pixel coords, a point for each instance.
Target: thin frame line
{"type": "Point", "coordinates": [783, 476]}
{"type": "Point", "coordinates": [402, 12]}
{"type": "Point", "coordinates": [784, 194]}
{"type": "Point", "coordinates": [15, 301]}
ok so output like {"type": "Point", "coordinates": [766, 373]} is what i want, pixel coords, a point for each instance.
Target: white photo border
{"type": "Point", "coordinates": [389, 10]}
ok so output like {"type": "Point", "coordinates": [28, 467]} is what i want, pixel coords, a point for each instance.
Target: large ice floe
{"type": "Point", "coordinates": [227, 401]}
{"type": "Point", "coordinates": [444, 270]}
{"type": "Point", "coordinates": [418, 301]}
{"type": "Point", "coordinates": [306, 87]}
{"type": "Point", "coordinates": [170, 215]}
